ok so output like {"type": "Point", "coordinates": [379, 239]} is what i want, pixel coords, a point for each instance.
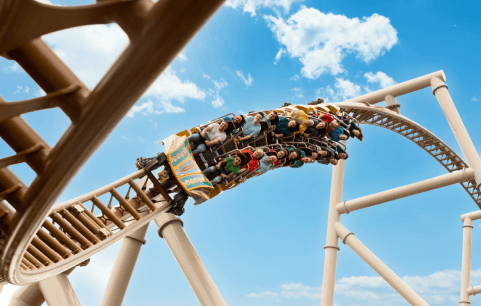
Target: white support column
{"type": "Point", "coordinates": [466, 263]}
{"type": "Point", "coordinates": [332, 247]}
{"type": "Point", "coordinates": [58, 291]}
{"type": "Point", "coordinates": [123, 268]}
{"type": "Point", "coordinates": [440, 90]}
{"type": "Point", "coordinates": [170, 228]}
{"type": "Point", "coordinates": [404, 191]}
{"type": "Point", "coordinates": [395, 281]}
{"type": "Point", "coordinates": [29, 295]}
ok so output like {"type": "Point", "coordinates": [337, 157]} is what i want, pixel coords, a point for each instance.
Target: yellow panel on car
{"type": "Point", "coordinates": [333, 109]}
{"type": "Point", "coordinates": [183, 133]}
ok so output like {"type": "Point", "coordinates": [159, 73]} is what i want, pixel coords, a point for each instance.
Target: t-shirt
{"type": "Point", "coordinates": [250, 128]}
{"type": "Point", "coordinates": [336, 133]}
{"type": "Point", "coordinates": [214, 132]}
{"type": "Point", "coordinates": [282, 127]}
{"type": "Point", "coordinates": [253, 164]}
{"type": "Point", "coordinates": [298, 163]}
{"type": "Point", "coordinates": [264, 166]}
{"type": "Point", "coordinates": [229, 167]}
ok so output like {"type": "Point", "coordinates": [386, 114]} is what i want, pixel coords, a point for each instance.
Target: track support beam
{"type": "Point", "coordinates": [389, 276]}
{"type": "Point", "coordinates": [58, 291]}
{"type": "Point", "coordinates": [405, 191]}
{"type": "Point", "coordinates": [170, 228]}
{"type": "Point", "coordinates": [123, 268]}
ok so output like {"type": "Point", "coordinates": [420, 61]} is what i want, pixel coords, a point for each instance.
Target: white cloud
{"type": "Point", "coordinates": [22, 89]}
{"type": "Point", "coordinates": [89, 51]}
{"type": "Point", "coordinates": [250, 6]}
{"type": "Point", "coordinates": [248, 81]}
{"type": "Point", "coordinates": [14, 68]}
{"type": "Point", "coordinates": [182, 57]}
{"type": "Point", "coordinates": [440, 289]}
{"type": "Point", "coordinates": [297, 91]}
{"type": "Point", "coordinates": [475, 99]}
{"type": "Point", "coordinates": [262, 294]}
{"type": "Point", "coordinates": [279, 55]}
{"type": "Point", "coordinates": [344, 89]}
{"type": "Point", "coordinates": [146, 108]}
{"type": "Point", "coordinates": [217, 101]}
{"type": "Point", "coordinates": [294, 78]}
{"type": "Point", "coordinates": [321, 41]}
{"type": "Point", "coordinates": [380, 77]}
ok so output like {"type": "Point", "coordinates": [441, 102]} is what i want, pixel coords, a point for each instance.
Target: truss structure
{"type": "Point", "coordinates": [41, 244]}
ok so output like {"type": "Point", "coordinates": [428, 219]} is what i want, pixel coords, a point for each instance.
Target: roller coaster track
{"type": "Point", "coordinates": [423, 138]}
{"type": "Point", "coordinates": [37, 240]}
{"type": "Point", "coordinates": [78, 234]}
{"type": "Point", "coordinates": [157, 33]}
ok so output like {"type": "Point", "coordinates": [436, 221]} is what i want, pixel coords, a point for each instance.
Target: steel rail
{"type": "Point", "coordinates": [422, 137]}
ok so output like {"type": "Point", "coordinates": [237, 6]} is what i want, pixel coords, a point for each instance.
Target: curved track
{"type": "Point", "coordinates": [425, 139]}
{"type": "Point", "coordinates": [82, 234]}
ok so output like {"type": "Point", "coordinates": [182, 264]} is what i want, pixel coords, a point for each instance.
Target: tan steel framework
{"type": "Point", "coordinates": [41, 244]}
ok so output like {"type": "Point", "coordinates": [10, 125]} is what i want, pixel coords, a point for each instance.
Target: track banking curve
{"type": "Point", "coordinates": [57, 259]}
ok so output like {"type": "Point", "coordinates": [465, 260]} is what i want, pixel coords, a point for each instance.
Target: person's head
{"type": "Point", "coordinates": [237, 119]}
{"type": "Point", "coordinates": [293, 155]}
{"type": "Point", "coordinates": [306, 160]}
{"type": "Point", "coordinates": [258, 117]}
{"type": "Point", "coordinates": [356, 132]}
{"type": "Point", "coordinates": [282, 153]}
{"type": "Point", "coordinates": [343, 155]}
{"type": "Point", "coordinates": [314, 155]}
{"type": "Point", "coordinates": [333, 161]}
{"type": "Point", "coordinates": [237, 161]}
{"type": "Point", "coordinates": [321, 125]}
{"type": "Point", "coordinates": [272, 115]}
{"type": "Point", "coordinates": [333, 125]}
{"type": "Point", "coordinates": [292, 124]}
{"type": "Point", "coordinates": [323, 153]}
{"type": "Point", "coordinates": [258, 153]}
{"type": "Point", "coordinates": [271, 159]}
{"type": "Point", "coordinates": [223, 125]}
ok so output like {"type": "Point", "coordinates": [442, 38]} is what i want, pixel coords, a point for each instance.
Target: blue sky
{"type": "Point", "coordinates": [263, 241]}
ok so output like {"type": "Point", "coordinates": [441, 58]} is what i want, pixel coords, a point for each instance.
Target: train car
{"type": "Point", "coordinates": [183, 171]}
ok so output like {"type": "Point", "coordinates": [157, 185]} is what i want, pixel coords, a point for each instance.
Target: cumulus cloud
{"type": "Point", "coordinates": [279, 54]}
{"type": "Point", "coordinates": [217, 101]}
{"type": "Point", "coordinates": [440, 289]}
{"type": "Point", "coordinates": [320, 41]}
{"type": "Point", "coordinates": [475, 99]}
{"type": "Point", "coordinates": [343, 90]}
{"type": "Point", "coordinates": [297, 91]}
{"type": "Point", "coordinates": [294, 78]}
{"type": "Point", "coordinates": [250, 6]}
{"type": "Point", "coordinates": [248, 81]}
{"type": "Point", "coordinates": [380, 77]}
{"type": "Point", "coordinates": [262, 294]}
{"type": "Point", "coordinates": [89, 51]}
{"type": "Point", "coordinates": [22, 89]}
{"type": "Point", "coordinates": [15, 68]}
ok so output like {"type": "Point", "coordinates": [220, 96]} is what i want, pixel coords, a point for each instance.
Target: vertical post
{"type": "Point", "coordinates": [466, 263]}
{"type": "Point", "coordinates": [170, 228]}
{"type": "Point", "coordinates": [440, 90]}
{"type": "Point", "coordinates": [123, 268]}
{"type": "Point", "coordinates": [330, 259]}
{"type": "Point", "coordinates": [58, 291]}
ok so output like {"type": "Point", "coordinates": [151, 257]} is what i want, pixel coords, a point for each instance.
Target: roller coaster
{"type": "Point", "coordinates": [41, 243]}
